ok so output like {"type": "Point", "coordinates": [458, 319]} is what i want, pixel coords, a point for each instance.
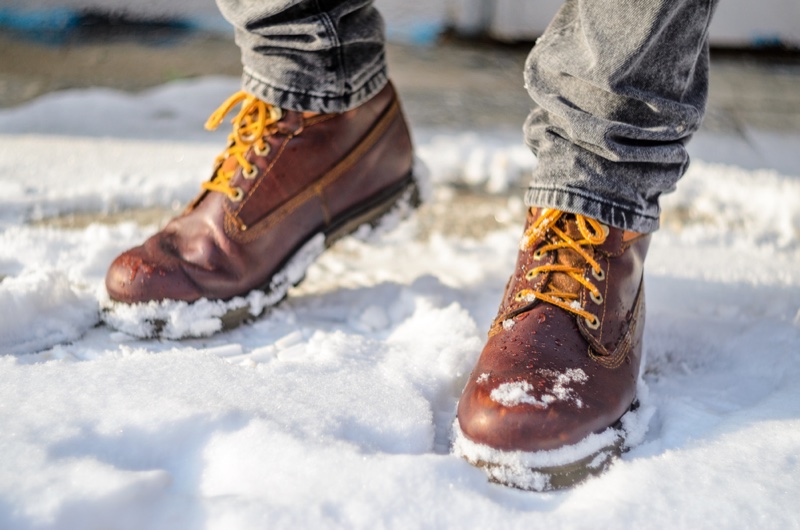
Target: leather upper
{"type": "Point", "coordinates": [316, 171]}
{"type": "Point", "coordinates": [545, 379]}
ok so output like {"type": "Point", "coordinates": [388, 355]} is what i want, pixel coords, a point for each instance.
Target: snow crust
{"type": "Point", "coordinates": [336, 409]}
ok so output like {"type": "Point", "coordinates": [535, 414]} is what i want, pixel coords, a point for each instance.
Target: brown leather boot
{"type": "Point", "coordinates": [542, 408]}
{"type": "Point", "coordinates": [287, 186]}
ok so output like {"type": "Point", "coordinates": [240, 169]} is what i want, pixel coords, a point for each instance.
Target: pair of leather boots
{"type": "Point", "coordinates": [542, 409]}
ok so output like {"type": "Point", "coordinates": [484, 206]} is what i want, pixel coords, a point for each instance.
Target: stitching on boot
{"type": "Point", "coordinates": [280, 213]}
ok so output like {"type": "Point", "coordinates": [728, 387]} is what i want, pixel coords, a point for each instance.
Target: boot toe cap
{"type": "Point", "coordinates": [510, 419]}
{"type": "Point", "coordinates": [136, 277]}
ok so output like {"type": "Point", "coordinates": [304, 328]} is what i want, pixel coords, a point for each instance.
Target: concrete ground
{"type": "Point", "coordinates": [453, 84]}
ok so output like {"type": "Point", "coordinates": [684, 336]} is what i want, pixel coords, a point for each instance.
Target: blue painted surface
{"type": "Point", "coordinates": [417, 33]}
{"type": "Point", "coordinates": [767, 41]}
{"type": "Point", "coordinates": [56, 19]}
{"type": "Point", "coordinates": [55, 26]}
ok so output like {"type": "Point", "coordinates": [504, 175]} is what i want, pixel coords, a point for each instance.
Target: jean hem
{"type": "Point", "coordinates": [309, 101]}
{"type": "Point", "coordinates": [584, 204]}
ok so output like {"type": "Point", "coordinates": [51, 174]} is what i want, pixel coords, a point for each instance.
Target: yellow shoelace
{"type": "Point", "coordinates": [249, 126]}
{"type": "Point", "coordinates": [593, 233]}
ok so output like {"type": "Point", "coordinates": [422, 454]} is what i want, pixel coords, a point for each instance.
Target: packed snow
{"type": "Point", "coordinates": [336, 408]}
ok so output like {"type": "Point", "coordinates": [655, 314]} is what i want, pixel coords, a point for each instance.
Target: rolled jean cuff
{"type": "Point", "coordinates": [309, 100]}
{"type": "Point", "coordinates": [607, 212]}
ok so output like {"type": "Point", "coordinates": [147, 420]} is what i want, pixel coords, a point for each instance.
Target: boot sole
{"type": "Point", "coordinates": [554, 470]}
{"type": "Point", "coordinates": [173, 319]}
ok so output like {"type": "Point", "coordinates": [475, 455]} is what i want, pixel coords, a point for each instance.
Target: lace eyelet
{"type": "Point", "coordinates": [599, 276]}
{"type": "Point", "coordinates": [592, 324]}
{"type": "Point", "coordinates": [261, 152]}
{"type": "Point", "coordinates": [238, 194]}
{"type": "Point", "coordinates": [598, 299]}
{"type": "Point", "coordinates": [539, 255]}
{"type": "Point", "coordinates": [529, 275]}
{"type": "Point", "coordinates": [606, 229]}
{"type": "Point", "coordinates": [275, 113]}
{"type": "Point", "coordinates": [250, 175]}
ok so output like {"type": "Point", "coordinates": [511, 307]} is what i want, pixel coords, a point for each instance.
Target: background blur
{"type": "Point", "coordinates": [457, 63]}
{"type": "Point", "coordinates": [737, 22]}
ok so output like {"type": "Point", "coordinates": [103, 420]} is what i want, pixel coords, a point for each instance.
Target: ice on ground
{"type": "Point", "coordinates": [336, 409]}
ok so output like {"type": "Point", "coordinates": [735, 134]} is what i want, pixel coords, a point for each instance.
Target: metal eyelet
{"type": "Point", "coordinates": [539, 255]}
{"type": "Point", "coordinates": [261, 152]}
{"type": "Point", "coordinates": [596, 299]}
{"type": "Point", "coordinates": [238, 194]}
{"type": "Point", "coordinates": [529, 275]}
{"type": "Point", "coordinates": [599, 276]}
{"type": "Point", "coordinates": [250, 175]}
{"type": "Point", "coordinates": [606, 229]}
{"type": "Point", "coordinates": [592, 324]}
{"type": "Point", "coordinates": [275, 113]}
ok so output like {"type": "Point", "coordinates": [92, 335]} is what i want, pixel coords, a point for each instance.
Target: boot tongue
{"type": "Point", "coordinates": [560, 281]}
{"type": "Point", "coordinates": [229, 164]}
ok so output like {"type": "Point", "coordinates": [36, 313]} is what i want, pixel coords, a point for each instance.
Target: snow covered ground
{"type": "Point", "coordinates": [334, 410]}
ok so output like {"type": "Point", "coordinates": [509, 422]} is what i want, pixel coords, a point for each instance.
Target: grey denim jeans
{"type": "Point", "coordinates": [309, 55]}
{"type": "Point", "coordinates": [620, 87]}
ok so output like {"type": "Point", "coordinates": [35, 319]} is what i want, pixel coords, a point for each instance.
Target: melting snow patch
{"type": "Point", "coordinates": [518, 392]}
{"type": "Point", "coordinates": [561, 390]}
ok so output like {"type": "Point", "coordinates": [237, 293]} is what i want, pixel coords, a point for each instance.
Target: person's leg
{"type": "Point", "coordinates": [309, 55]}
{"type": "Point", "coordinates": [318, 150]}
{"type": "Point", "coordinates": [621, 86]}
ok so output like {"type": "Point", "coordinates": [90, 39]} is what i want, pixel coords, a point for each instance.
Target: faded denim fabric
{"type": "Point", "coordinates": [621, 87]}
{"type": "Point", "coordinates": [309, 55]}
